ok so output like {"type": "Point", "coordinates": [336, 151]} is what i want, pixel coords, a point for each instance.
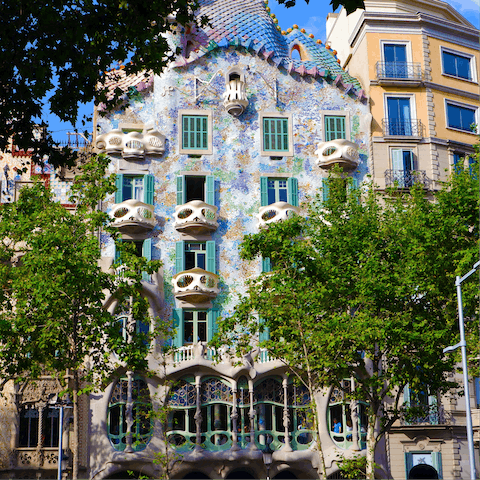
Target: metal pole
{"type": "Point", "coordinates": [60, 443]}
{"type": "Point", "coordinates": [463, 346]}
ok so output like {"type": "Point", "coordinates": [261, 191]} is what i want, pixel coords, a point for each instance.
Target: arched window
{"type": "Point", "coordinates": [117, 415]}
{"type": "Point", "coordinates": [340, 422]}
{"type": "Point", "coordinates": [300, 417]}
{"type": "Point", "coordinates": [182, 399]}
{"type": "Point", "coordinates": [216, 406]}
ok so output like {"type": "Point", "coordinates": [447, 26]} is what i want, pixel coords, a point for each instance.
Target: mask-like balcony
{"type": "Point", "coordinates": [339, 152]}
{"type": "Point", "coordinates": [276, 212]}
{"type": "Point", "coordinates": [133, 216]}
{"type": "Point", "coordinates": [131, 145]}
{"type": "Point", "coordinates": [235, 97]}
{"type": "Point", "coordinates": [196, 218]}
{"type": "Point", "coordinates": [195, 285]}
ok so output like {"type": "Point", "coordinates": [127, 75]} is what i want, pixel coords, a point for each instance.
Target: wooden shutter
{"type": "Point", "coordinates": [437, 463]}
{"type": "Point", "coordinates": [264, 335]}
{"type": "Point", "coordinates": [266, 265]}
{"type": "Point", "coordinates": [211, 264]}
{"type": "Point", "coordinates": [212, 315]}
{"type": "Point", "coordinates": [325, 189]}
{"type": "Point", "coordinates": [397, 159]}
{"type": "Point", "coordinates": [180, 256]}
{"type": "Point", "coordinates": [210, 187]}
{"type": "Point", "coordinates": [119, 186]}
{"type": "Point", "coordinates": [147, 253]}
{"type": "Point", "coordinates": [263, 191]}
{"type": "Point", "coordinates": [181, 191]}
{"type": "Point", "coordinates": [117, 254]}
{"type": "Point", "coordinates": [178, 325]}
{"type": "Point", "coordinates": [292, 189]}
{"type": "Point", "coordinates": [149, 186]}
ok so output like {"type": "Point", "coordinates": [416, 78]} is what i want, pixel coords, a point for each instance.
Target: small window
{"type": "Point", "coordinates": [423, 405]}
{"type": "Point", "coordinates": [457, 65]}
{"type": "Point", "coordinates": [195, 255]}
{"type": "Point", "coordinates": [195, 187]}
{"type": "Point", "coordinates": [334, 127]}
{"type": "Point", "coordinates": [135, 187]}
{"type": "Point", "coordinates": [458, 162]}
{"type": "Point", "coordinates": [143, 248]}
{"type": "Point", "coordinates": [461, 117]}
{"type": "Point", "coordinates": [196, 135]}
{"type": "Point", "coordinates": [276, 136]}
{"type": "Point", "coordinates": [275, 190]}
{"type": "Point", "coordinates": [192, 326]}
{"type": "Point", "coordinates": [28, 427]}
{"type": "Point", "coordinates": [141, 328]}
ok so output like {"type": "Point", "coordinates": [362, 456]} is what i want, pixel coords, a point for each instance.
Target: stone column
{"type": "Point", "coordinates": [234, 417]}
{"type": "Point", "coordinates": [198, 415]}
{"type": "Point", "coordinates": [286, 419]}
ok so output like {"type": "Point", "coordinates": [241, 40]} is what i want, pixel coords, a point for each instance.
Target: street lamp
{"type": "Point", "coordinates": [267, 453]}
{"type": "Point", "coordinates": [463, 345]}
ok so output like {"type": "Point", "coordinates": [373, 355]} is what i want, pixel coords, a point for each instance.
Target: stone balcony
{"type": "Point", "coordinates": [196, 218]}
{"type": "Point", "coordinates": [131, 145]}
{"type": "Point", "coordinates": [339, 152]}
{"type": "Point", "coordinates": [195, 285]}
{"type": "Point", "coordinates": [276, 212]}
{"type": "Point", "coordinates": [133, 216]}
{"type": "Point", "coordinates": [36, 458]}
{"type": "Point", "coordinates": [235, 97]}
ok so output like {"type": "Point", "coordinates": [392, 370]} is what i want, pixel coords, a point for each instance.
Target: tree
{"type": "Point", "coordinates": [59, 53]}
{"type": "Point", "coordinates": [363, 289]}
{"type": "Point", "coordinates": [51, 315]}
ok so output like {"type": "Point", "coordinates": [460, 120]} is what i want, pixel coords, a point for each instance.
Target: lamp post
{"type": "Point", "coordinates": [463, 345]}
{"type": "Point", "coordinates": [60, 404]}
{"type": "Point", "coordinates": [267, 453]}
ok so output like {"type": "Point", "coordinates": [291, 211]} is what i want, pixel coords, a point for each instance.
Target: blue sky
{"type": "Point", "coordinates": [311, 17]}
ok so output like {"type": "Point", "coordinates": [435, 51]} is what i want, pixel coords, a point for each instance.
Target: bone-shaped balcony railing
{"type": "Point", "coordinates": [134, 145]}
{"type": "Point", "coordinates": [195, 285]}
{"type": "Point", "coordinates": [196, 217]}
{"type": "Point", "coordinates": [133, 215]}
{"type": "Point", "coordinates": [276, 212]}
{"type": "Point", "coordinates": [338, 152]}
{"type": "Point", "coordinates": [235, 97]}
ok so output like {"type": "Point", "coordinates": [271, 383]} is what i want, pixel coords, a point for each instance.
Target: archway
{"type": "Point", "coordinates": [239, 474]}
{"type": "Point", "coordinates": [423, 471]}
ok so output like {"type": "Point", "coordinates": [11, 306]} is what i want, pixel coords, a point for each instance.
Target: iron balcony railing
{"type": "Point", "coordinates": [397, 128]}
{"type": "Point", "coordinates": [399, 71]}
{"type": "Point", "coordinates": [407, 178]}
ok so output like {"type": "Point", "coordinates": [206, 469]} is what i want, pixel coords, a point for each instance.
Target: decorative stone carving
{"type": "Point", "coordinates": [338, 152]}
{"type": "Point", "coordinates": [276, 212]}
{"type": "Point", "coordinates": [235, 97]}
{"type": "Point", "coordinates": [131, 145]}
{"type": "Point", "coordinates": [133, 216]}
{"type": "Point", "coordinates": [195, 285]}
{"type": "Point", "coordinates": [39, 391]}
{"type": "Point", "coordinates": [196, 217]}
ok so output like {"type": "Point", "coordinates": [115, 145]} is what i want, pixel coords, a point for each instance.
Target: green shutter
{"type": "Point", "coordinates": [180, 256]}
{"type": "Point", "coordinates": [325, 189]}
{"type": "Point", "coordinates": [212, 315]}
{"type": "Point", "coordinates": [117, 254]}
{"type": "Point", "coordinates": [352, 186]}
{"type": "Point", "coordinates": [181, 191]}
{"type": "Point", "coordinates": [119, 186]}
{"type": "Point", "coordinates": [437, 463]}
{"type": "Point", "coordinates": [149, 186]}
{"type": "Point", "coordinates": [210, 183]}
{"type": "Point", "coordinates": [292, 188]}
{"type": "Point", "coordinates": [178, 325]}
{"type": "Point", "coordinates": [194, 132]}
{"type": "Point", "coordinates": [406, 395]}
{"type": "Point", "coordinates": [263, 191]}
{"type": "Point", "coordinates": [211, 266]}
{"type": "Point", "coordinates": [433, 409]}
{"type": "Point", "coordinates": [266, 265]}
{"type": "Point", "coordinates": [265, 334]}
{"type": "Point", "coordinates": [275, 134]}
{"type": "Point", "coordinates": [334, 127]}
{"type": "Point", "coordinates": [147, 253]}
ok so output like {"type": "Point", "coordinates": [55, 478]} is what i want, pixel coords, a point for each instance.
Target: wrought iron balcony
{"type": "Point", "coordinates": [276, 212]}
{"type": "Point", "coordinates": [399, 71]}
{"type": "Point", "coordinates": [133, 216]}
{"type": "Point", "coordinates": [407, 178]}
{"type": "Point", "coordinates": [396, 128]}
{"type": "Point", "coordinates": [338, 152]}
{"type": "Point", "coordinates": [195, 285]}
{"type": "Point", "coordinates": [235, 97]}
{"type": "Point", "coordinates": [196, 217]}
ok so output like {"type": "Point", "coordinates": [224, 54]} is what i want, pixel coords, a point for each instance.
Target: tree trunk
{"type": "Point", "coordinates": [371, 443]}
{"type": "Point", "coordinates": [76, 442]}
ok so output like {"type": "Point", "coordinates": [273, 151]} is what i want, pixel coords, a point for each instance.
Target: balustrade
{"type": "Point", "coordinates": [235, 97]}
{"type": "Point", "coordinates": [276, 212]}
{"type": "Point", "coordinates": [131, 145]}
{"type": "Point", "coordinates": [195, 285]}
{"type": "Point", "coordinates": [196, 217]}
{"type": "Point", "coordinates": [133, 216]}
{"type": "Point", "coordinates": [338, 152]}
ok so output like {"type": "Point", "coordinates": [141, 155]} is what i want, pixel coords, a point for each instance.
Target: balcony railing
{"type": "Point", "coordinates": [338, 152]}
{"type": "Point", "coordinates": [235, 97]}
{"type": "Point", "coordinates": [396, 128]}
{"type": "Point", "coordinates": [36, 457]}
{"type": "Point", "coordinates": [399, 71]}
{"type": "Point", "coordinates": [276, 212]}
{"type": "Point", "coordinates": [195, 285]}
{"type": "Point", "coordinates": [196, 217]}
{"type": "Point", "coordinates": [133, 216]}
{"type": "Point", "coordinates": [434, 415]}
{"type": "Point", "coordinates": [407, 178]}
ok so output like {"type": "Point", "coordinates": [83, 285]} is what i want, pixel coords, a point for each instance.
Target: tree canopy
{"type": "Point", "coordinates": [363, 288]}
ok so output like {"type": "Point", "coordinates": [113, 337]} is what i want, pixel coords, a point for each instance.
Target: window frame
{"type": "Point", "coordinates": [148, 187]}
{"type": "Point", "coordinates": [292, 189]}
{"type": "Point", "coordinates": [210, 255]}
{"type": "Point", "coordinates": [413, 109]}
{"type": "Point", "coordinates": [335, 113]}
{"type": "Point", "coordinates": [279, 116]}
{"type": "Point", "coordinates": [179, 324]}
{"type": "Point", "coordinates": [465, 106]}
{"type": "Point", "coordinates": [472, 63]}
{"type": "Point", "coordinates": [195, 113]}
{"type": "Point", "coordinates": [406, 43]}
{"type": "Point", "coordinates": [209, 187]}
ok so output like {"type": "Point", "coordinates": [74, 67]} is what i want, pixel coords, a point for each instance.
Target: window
{"type": "Point", "coordinates": [117, 415]}
{"type": "Point", "coordinates": [140, 327]}
{"type": "Point", "coordinates": [457, 64]}
{"type": "Point", "coordinates": [276, 135]}
{"type": "Point", "coordinates": [334, 127]}
{"type": "Point", "coordinates": [194, 326]}
{"type": "Point", "coordinates": [136, 187]}
{"type": "Point", "coordinates": [196, 136]}
{"type": "Point", "coordinates": [28, 427]}
{"type": "Point", "coordinates": [274, 190]}
{"type": "Point", "coordinates": [422, 406]}
{"type": "Point", "coordinates": [399, 117]}
{"type": "Point", "coordinates": [423, 464]}
{"type": "Point", "coordinates": [395, 58]}
{"type": "Point", "coordinates": [143, 248]}
{"type": "Point", "coordinates": [461, 117]}
{"type": "Point", "coordinates": [195, 255]}
{"type": "Point", "coordinates": [458, 162]}
{"type": "Point", "coordinates": [195, 187]}
{"type": "Point", "coordinates": [30, 424]}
